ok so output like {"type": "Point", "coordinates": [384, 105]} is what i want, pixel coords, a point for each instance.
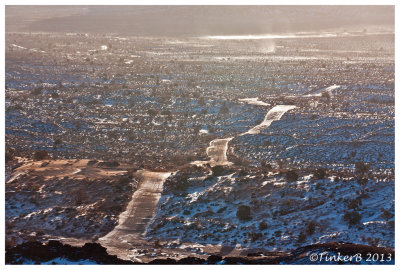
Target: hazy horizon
{"type": "Point", "coordinates": [197, 20]}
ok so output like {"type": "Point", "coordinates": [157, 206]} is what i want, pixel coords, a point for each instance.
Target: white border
{"type": "Point", "coordinates": [204, 2]}
{"type": "Point", "coordinates": [199, 2]}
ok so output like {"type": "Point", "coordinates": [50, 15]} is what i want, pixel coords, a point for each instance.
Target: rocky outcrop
{"type": "Point", "coordinates": [38, 252]}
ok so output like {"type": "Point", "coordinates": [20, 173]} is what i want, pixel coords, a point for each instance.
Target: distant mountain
{"type": "Point", "coordinates": [194, 20]}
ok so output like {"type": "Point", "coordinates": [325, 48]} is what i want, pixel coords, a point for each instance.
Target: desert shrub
{"type": "Point", "coordinates": [320, 173]}
{"type": "Point", "coordinates": [354, 204]}
{"type": "Point", "coordinates": [221, 210]}
{"type": "Point", "coordinates": [10, 153]}
{"type": "Point", "coordinates": [361, 167]}
{"type": "Point", "coordinates": [386, 214]}
{"type": "Point", "coordinates": [122, 183]}
{"type": "Point", "coordinates": [243, 213]}
{"type": "Point", "coordinates": [39, 233]}
{"type": "Point", "coordinates": [266, 167]}
{"type": "Point", "coordinates": [391, 224]}
{"type": "Point", "coordinates": [302, 237]}
{"type": "Point", "coordinates": [310, 227]}
{"type": "Point", "coordinates": [40, 155]}
{"type": "Point", "coordinates": [92, 162]}
{"type": "Point", "coordinates": [292, 176]}
{"type": "Point", "coordinates": [267, 143]}
{"type": "Point", "coordinates": [243, 172]}
{"type": "Point", "coordinates": [209, 178]}
{"type": "Point", "coordinates": [352, 218]}
{"type": "Point", "coordinates": [11, 242]}
{"type": "Point", "coordinates": [217, 170]}
{"type": "Point", "coordinates": [165, 112]}
{"type": "Point", "coordinates": [115, 208]}
{"type": "Point", "coordinates": [182, 183]}
{"type": "Point", "coordinates": [373, 241]}
{"type": "Point", "coordinates": [57, 141]}
{"type": "Point", "coordinates": [254, 236]}
{"type": "Point", "coordinates": [37, 91]}
{"type": "Point", "coordinates": [319, 185]}
{"type": "Point", "coordinates": [152, 112]}
{"type": "Point", "coordinates": [362, 181]}
{"type": "Point", "coordinates": [108, 164]}
{"type": "Point", "coordinates": [262, 226]}
{"type": "Point", "coordinates": [178, 183]}
{"type": "Point", "coordinates": [326, 95]}
{"type": "Point", "coordinates": [80, 196]}
{"type": "Point", "coordinates": [44, 164]}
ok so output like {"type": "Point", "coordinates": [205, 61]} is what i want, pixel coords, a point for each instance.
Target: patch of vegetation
{"type": "Point", "coordinates": [92, 162]}
{"type": "Point", "coordinates": [243, 172]}
{"type": "Point", "coordinates": [122, 183]}
{"type": "Point", "coordinates": [178, 184]}
{"type": "Point", "coordinates": [266, 167]}
{"type": "Point", "coordinates": [262, 226]}
{"type": "Point", "coordinates": [361, 168]}
{"type": "Point", "coordinates": [108, 164]}
{"type": "Point", "coordinates": [217, 170]}
{"type": "Point", "coordinates": [10, 153]}
{"type": "Point", "coordinates": [386, 214]}
{"type": "Point", "coordinates": [41, 155]}
{"type": "Point", "coordinates": [320, 173]}
{"type": "Point", "coordinates": [221, 210]}
{"type": "Point", "coordinates": [243, 213]}
{"type": "Point", "coordinates": [254, 236]}
{"type": "Point", "coordinates": [302, 237]}
{"type": "Point", "coordinates": [354, 204]}
{"type": "Point", "coordinates": [352, 218]}
{"type": "Point", "coordinates": [292, 176]}
{"type": "Point", "coordinates": [310, 227]}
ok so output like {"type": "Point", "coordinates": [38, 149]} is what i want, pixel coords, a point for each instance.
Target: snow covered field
{"type": "Point", "coordinates": [281, 211]}
{"type": "Point", "coordinates": [65, 199]}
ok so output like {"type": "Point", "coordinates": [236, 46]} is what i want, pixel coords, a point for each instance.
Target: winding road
{"type": "Point", "coordinates": [219, 147]}
{"type": "Point", "coordinates": [273, 115]}
{"type": "Point", "coordinates": [127, 239]}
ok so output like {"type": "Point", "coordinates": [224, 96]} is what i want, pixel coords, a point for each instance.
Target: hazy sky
{"type": "Point", "coordinates": [195, 20]}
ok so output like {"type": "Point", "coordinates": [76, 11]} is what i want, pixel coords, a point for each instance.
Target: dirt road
{"type": "Point", "coordinates": [127, 239]}
{"type": "Point", "coordinates": [217, 152]}
{"type": "Point", "coordinates": [219, 147]}
{"type": "Point", "coordinates": [140, 210]}
{"type": "Point", "coordinates": [273, 115]}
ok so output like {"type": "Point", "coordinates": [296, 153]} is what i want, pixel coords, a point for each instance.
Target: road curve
{"type": "Point", "coordinates": [219, 147]}
{"type": "Point", "coordinates": [273, 115]}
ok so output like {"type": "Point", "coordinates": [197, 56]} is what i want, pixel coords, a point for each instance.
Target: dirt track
{"type": "Point", "coordinates": [217, 152]}
{"type": "Point", "coordinates": [133, 222]}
